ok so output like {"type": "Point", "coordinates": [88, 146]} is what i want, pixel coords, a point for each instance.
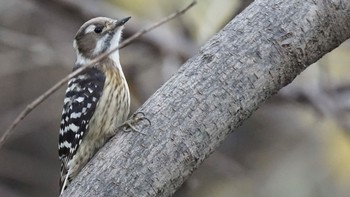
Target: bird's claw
{"type": "Point", "coordinates": [128, 125]}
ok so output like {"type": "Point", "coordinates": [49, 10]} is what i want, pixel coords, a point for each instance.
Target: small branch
{"type": "Point", "coordinates": [63, 81]}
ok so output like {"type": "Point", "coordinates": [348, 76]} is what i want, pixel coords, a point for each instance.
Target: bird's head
{"type": "Point", "coordinates": [97, 36]}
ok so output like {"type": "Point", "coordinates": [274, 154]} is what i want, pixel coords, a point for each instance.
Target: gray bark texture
{"type": "Point", "coordinates": [260, 51]}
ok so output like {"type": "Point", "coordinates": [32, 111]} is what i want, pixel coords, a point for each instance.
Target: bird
{"type": "Point", "coordinates": [96, 101]}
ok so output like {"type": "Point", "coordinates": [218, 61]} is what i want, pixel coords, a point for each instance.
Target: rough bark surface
{"type": "Point", "coordinates": [260, 51]}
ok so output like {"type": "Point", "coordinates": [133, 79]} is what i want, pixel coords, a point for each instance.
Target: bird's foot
{"type": "Point", "coordinates": [129, 124]}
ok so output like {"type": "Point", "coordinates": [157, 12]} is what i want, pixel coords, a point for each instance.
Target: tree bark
{"type": "Point", "coordinates": [260, 51]}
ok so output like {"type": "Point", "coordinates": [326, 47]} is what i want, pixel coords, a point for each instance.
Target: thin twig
{"type": "Point", "coordinates": [63, 81]}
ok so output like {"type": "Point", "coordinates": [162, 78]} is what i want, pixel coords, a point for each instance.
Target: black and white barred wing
{"type": "Point", "coordinates": [81, 99]}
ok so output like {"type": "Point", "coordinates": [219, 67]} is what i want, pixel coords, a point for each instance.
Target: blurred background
{"type": "Point", "coordinates": [296, 144]}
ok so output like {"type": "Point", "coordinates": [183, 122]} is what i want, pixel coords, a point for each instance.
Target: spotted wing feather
{"type": "Point", "coordinates": [82, 95]}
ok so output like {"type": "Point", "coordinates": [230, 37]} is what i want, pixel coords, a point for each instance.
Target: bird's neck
{"type": "Point", "coordinates": [114, 57]}
{"type": "Point", "coordinates": [81, 60]}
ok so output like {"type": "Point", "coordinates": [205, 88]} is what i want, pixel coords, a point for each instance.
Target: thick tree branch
{"type": "Point", "coordinates": [256, 54]}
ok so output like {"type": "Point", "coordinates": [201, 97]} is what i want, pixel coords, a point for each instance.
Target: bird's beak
{"type": "Point", "coordinates": [121, 22]}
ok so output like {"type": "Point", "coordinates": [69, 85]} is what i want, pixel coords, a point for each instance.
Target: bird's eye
{"type": "Point", "coordinates": [98, 29]}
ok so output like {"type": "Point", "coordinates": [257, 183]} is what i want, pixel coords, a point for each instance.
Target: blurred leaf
{"type": "Point", "coordinates": [337, 143]}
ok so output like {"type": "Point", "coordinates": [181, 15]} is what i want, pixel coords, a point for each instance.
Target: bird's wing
{"type": "Point", "coordinates": [82, 95]}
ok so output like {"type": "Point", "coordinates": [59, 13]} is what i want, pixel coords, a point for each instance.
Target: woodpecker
{"type": "Point", "coordinates": [97, 101]}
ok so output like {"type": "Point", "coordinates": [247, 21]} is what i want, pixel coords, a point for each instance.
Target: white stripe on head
{"type": "Point", "coordinates": [90, 29]}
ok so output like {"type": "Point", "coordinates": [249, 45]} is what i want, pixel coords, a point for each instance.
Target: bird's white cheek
{"type": "Point", "coordinates": [100, 45]}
